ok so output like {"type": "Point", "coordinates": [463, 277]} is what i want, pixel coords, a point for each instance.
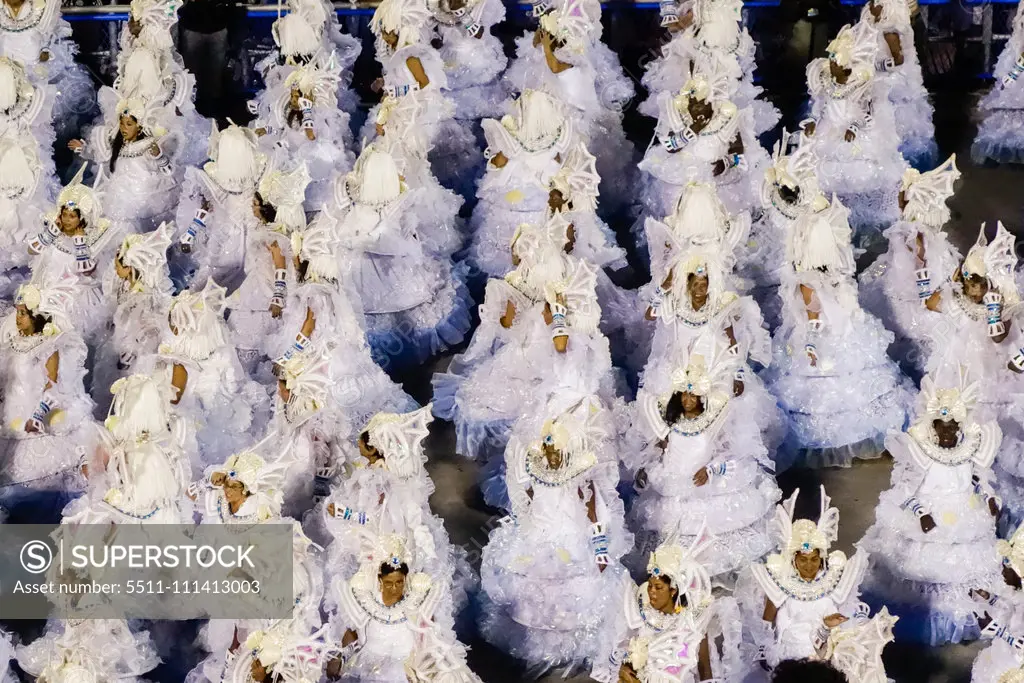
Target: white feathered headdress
{"type": "Point", "coordinates": [804, 535]}
{"type": "Point", "coordinates": [147, 254]}
{"type": "Point", "coordinates": [854, 48]}
{"type": "Point", "coordinates": [821, 240]}
{"type": "Point", "coordinates": [197, 323]}
{"type": "Point", "coordinates": [286, 192]}
{"type": "Point", "coordinates": [535, 244]}
{"type": "Point", "coordinates": [288, 654]}
{"type": "Point", "coordinates": [399, 437]}
{"type": "Point", "coordinates": [375, 179]}
{"type": "Point", "coordinates": [297, 35]}
{"type": "Point", "coordinates": [408, 19]}
{"type": "Point", "coordinates": [700, 218]}
{"type": "Point", "coordinates": [140, 74]}
{"type": "Point", "coordinates": [55, 301]}
{"type": "Point", "coordinates": [926, 193]}
{"type": "Point", "coordinates": [236, 161]}
{"type": "Point", "coordinates": [307, 376]}
{"type": "Point", "coordinates": [193, 312]}
{"type": "Point", "coordinates": [263, 479]}
{"type": "Point", "coordinates": [140, 406]}
{"type": "Point", "coordinates": [318, 80]}
{"type": "Point", "coordinates": [19, 165]}
{"type": "Point", "coordinates": [317, 247]}
{"type": "Point", "coordinates": [795, 171]}
{"type": "Point", "coordinates": [948, 394]}
{"type": "Point", "coordinates": [706, 371]}
{"type": "Point", "coordinates": [537, 120]}
{"type": "Point", "coordinates": [718, 22]}
{"type": "Point", "coordinates": [87, 200]}
{"type": "Point", "coordinates": [682, 566]}
{"type": "Point", "coordinates": [14, 84]}
{"type": "Point", "coordinates": [994, 261]}
{"type": "Point", "coordinates": [572, 26]}
{"type": "Point", "coordinates": [577, 180]}
{"type": "Point", "coordinates": [577, 289]}
{"type": "Point", "coordinates": [157, 18]}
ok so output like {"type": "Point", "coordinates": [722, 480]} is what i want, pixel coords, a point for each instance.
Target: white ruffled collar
{"type": "Point", "coordinates": [785, 576]}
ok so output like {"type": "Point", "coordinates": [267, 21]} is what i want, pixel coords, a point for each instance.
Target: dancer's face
{"type": "Point", "coordinates": [975, 288]}
{"type": "Point", "coordinates": [948, 433]}
{"type": "Point", "coordinates": [392, 588]}
{"type": "Point", "coordinates": [692, 403]}
{"type": "Point", "coordinates": [129, 127]}
{"type": "Point", "coordinates": [808, 564]}
{"type": "Point", "coordinates": [661, 594]}
{"type": "Point", "coordinates": [697, 286]}
{"type": "Point", "coordinates": [24, 321]}
{"type": "Point", "coordinates": [552, 455]}
{"type": "Point", "coordinates": [69, 219]}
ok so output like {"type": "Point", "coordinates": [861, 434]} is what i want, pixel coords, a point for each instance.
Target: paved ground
{"type": "Point", "coordinates": [986, 194]}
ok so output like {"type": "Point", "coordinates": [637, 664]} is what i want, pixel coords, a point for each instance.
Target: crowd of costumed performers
{"type": "Point", "coordinates": [208, 323]}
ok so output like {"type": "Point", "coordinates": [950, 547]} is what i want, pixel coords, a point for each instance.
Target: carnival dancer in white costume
{"type": "Point", "coordinates": [898, 65]}
{"type": "Point", "coordinates": [565, 192]}
{"type": "Point", "coordinates": [25, 192]}
{"type": "Point", "coordinates": [1000, 614]}
{"type": "Point", "coordinates": [321, 311]}
{"type": "Point", "coordinates": [551, 570]}
{"type": "Point", "coordinates": [138, 290]}
{"type": "Point", "coordinates": [148, 72]}
{"type": "Point", "coordinates": [694, 295]}
{"type": "Point", "coordinates": [213, 396]}
{"type": "Point", "coordinates": [258, 305]}
{"type": "Point", "coordinates": [390, 624]}
{"type": "Point", "coordinates": [311, 28]}
{"type": "Point", "coordinates": [566, 58]}
{"type": "Point", "coordinates": [802, 601]}
{"type": "Point", "coordinates": [670, 629]}
{"type": "Point", "coordinates": [76, 239]}
{"type": "Point", "coordinates": [89, 651]}
{"type": "Point", "coordinates": [142, 472]}
{"type": "Point", "coordinates": [247, 490]}
{"type": "Point", "coordinates": [829, 368]}
{"type": "Point", "coordinates": [216, 208]}
{"type": "Point", "coordinates": [149, 25]}
{"type": "Point", "coordinates": [702, 136]}
{"type": "Point", "coordinates": [699, 462]}
{"type": "Point", "coordinates": [134, 157]}
{"type": "Point", "coordinates": [33, 33]}
{"type": "Point", "coordinates": [540, 335]}
{"type": "Point", "coordinates": [934, 534]}
{"type": "Point", "coordinates": [416, 305]}
{"type": "Point", "coordinates": [473, 57]}
{"type": "Point", "coordinates": [852, 128]}
{"type": "Point", "coordinates": [414, 77]}
{"type": "Point", "coordinates": [978, 303]}
{"type": "Point", "coordinates": [46, 410]}
{"type": "Point", "coordinates": [977, 320]}
{"type": "Point", "coordinates": [1001, 128]}
{"type": "Point", "coordinates": [790, 184]}
{"type": "Point", "coordinates": [301, 115]}
{"type": "Point", "coordinates": [384, 488]}
{"type": "Point", "coordinates": [715, 33]}
{"type": "Point", "coordinates": [309, 424]}
{"type": "Point", "coordinates": [904, 285]}
{"type": "Point", "coordinates": [26, 111]}
{"type": "Point", "coordinates": [525, 149]}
